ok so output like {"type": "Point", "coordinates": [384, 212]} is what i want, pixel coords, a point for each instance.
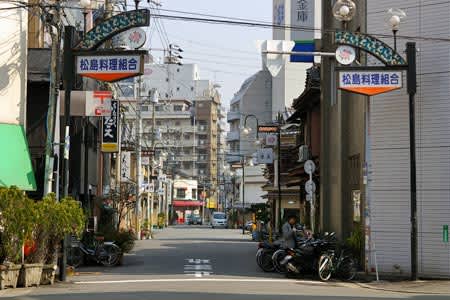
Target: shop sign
{"type": "Point", "coordinates": [110, 67]}
{"type": "Point", "coordinates": [110, 129]}
{"type": "Point", "coordinates": [98, 103]}
{"type": "Point", "coordinates": [370, 83]}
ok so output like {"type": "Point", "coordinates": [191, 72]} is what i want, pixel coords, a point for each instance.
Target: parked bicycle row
{"type": "Point", "coordinates": [298, 253]}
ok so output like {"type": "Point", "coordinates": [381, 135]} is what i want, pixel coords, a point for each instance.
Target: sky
{"type": "Point", "coordinates": [225, 54]}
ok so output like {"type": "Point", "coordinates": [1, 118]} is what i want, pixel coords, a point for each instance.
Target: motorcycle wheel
{"type": "Point", "coordinates": [75, 257]}
{"type": "Point", "coordinates": [325, 267]}
{"type": "Point", "coordinates": [277, 257]}
{"type": "Point", "coordinates": [347, 269]}
{"type": "Point", "coordinates": [266, 261]}
{"type": "Point", "coordinates": [258, 257]}
{"type": "Point", "coordinates": [112, 255]}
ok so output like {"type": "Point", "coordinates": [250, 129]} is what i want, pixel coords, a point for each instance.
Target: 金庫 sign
{"type": "Point", "coordinates": [370, 83]}
{"type": "Point", "coordinates": [110, 67]}
{"type": "Point", "coordinates": [110, 136]}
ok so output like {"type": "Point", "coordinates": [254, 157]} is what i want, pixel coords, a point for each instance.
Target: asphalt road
{"type": "Point", "coordinates": [196, 263]}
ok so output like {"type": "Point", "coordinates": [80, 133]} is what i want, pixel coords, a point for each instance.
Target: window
{"type": "Point", "coordinates": [192, 88]}
{"type": "Point", "coordinates": [158, 108]}
{"type": "Point", "coordinates": [178, 108]}
{"type": "Point", "coordinates": [186, 151]}
{"type": "Point", "coordinates": [187, 136]}
{"type": "Point", "coordinates": [181, 193]}
{"type": "Point", "coordinates": [178, 70]}
{"type": "Point", "coordinates": [194, 193]}
{"type": "Point", "coordinates": [144, 107]}
{"type": "Point", "coordinates": [177, 123]}
{"type": "Point", "coordinates": [178, 88]}
{"type": "Point", "coordinates": [202, 122]}
{"type": "Point", "coordinates": [158, 123]}
{"type": "Point", "coordinates": [186, 165]}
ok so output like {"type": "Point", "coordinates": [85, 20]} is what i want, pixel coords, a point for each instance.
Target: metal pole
{"type": "Point", "coordinates": [52, 114]}
{"type": "Point", "coordinates": [87, 200]}
{"type": "Point", "coordinates": [149, 199]}
{"type": "Point", "coordinates": [151, 163]}
{"type": "Point", "coordinates": [279, 173]}
{"type": "Point", "coordinates": [138, 160]}
{"type": "Point", "coordinates": [412, 87]}
{"type": "Point", "coordinates": [69, 34]}
{"type": "Point", "coordinates": [203, 203]}
{"type": "Point", "coordinates": [243, 197]}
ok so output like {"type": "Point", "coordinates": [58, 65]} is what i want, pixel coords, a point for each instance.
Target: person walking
{"type": "Point", "coordinates": [289, 232]}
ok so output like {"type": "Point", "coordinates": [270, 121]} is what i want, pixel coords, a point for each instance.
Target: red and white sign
{"type": "Point", "coordinates": [109, 68]}
{"type": "Point", "coordinates": [370, 83]}
{"type": "Point", "coordinates": [98, 103]}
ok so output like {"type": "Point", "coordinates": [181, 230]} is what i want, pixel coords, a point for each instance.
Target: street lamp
{"type": "Point", "coordinates": [395, 17]}
{"type": "Point", "coordinates": [246, 130]}
{"type": "Point", "coordinates": [85, 5]}
{"type": "Point", "coordinates": [344, 11]}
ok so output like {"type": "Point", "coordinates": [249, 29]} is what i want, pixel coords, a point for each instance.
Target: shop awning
{"type": "Point", "coordinates": [186, 203]}
{"type": "Point", "coordinates": [15, 164]}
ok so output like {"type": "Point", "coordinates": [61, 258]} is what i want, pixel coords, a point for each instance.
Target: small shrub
{"type": "Point", "coordinates": [124, 239]}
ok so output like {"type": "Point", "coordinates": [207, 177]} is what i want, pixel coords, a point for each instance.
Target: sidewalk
{"type": "Point", "coordinates": [437, 287]}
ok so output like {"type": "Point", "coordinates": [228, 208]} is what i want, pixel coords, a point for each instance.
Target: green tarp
{"type": "Point", "coordinates": [15, 163]}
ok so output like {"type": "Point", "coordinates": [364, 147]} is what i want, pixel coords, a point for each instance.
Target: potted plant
{"type": "Point", "coordinates": [15, 227]}
{"type": "Point", "coordinates": [161, 220]}
{"type": "Point", "coordinates": [35, 244]}
{"type": "Point", "coordinates": [145, 231]}
{"type": "Point", "coordinates": [66, 217]}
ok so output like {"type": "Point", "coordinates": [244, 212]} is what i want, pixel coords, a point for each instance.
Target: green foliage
{"type": "Point", "coordinates": [15, 221]}
{"type": "Point", "coordinates": [261, 212]}
{"type": "Point", "coordinates": [124, 239]}
{"type": "Point", "coordinates": [356, 242]}
{"type": "Point", "coordinates": [66, 217]}
{"type": "Point", "coordinates": [161, 220]}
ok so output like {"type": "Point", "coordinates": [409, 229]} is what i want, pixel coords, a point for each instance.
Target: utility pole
{"type": "Point", "coordinates": [243, 196]}
{"type": "Point", "coordinates": [138, 159]}
{"type": "Point", "coordinates": [279, 223]}
{"type": "Point", "coordinates": [52, 113]}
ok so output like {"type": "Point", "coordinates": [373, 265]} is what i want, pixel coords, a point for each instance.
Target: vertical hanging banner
{"type": "Point", "coordinates": [110, 129]}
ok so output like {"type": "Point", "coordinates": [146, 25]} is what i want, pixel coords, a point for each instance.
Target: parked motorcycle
{"type": "Point", "coordinates": [305, 258]}
{"type": "Point", "coordinates": [101, 252]}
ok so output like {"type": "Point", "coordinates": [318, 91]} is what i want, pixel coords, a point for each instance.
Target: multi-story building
{"type": "Point", "coordinates": [253, 98]}
{"type": "Point", "coordinates": [187, 122]}
{"type": "Point", "coordinates": [388, 188]}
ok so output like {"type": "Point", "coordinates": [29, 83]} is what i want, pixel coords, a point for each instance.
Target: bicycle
{"type": "Point", "coordinates": [344, 266]}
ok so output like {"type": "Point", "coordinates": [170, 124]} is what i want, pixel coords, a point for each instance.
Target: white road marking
{"type": "Point", "coordinates": [202, 279]}
{"type": "Point", "coordinates": [196, 266]}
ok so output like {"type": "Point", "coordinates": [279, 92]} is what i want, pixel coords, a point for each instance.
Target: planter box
{"type": "Point", "coordinates": [30, 274]}
{"type": "Point", "coordinates": [48, 274]}
{"type": "Point", "coordinates": [9, 275]}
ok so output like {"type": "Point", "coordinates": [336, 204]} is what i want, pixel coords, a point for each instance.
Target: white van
{"type": "Point", "coordinates": [219, 219]}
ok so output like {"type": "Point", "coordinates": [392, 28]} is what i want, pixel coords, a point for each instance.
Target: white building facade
{"type": "Point", "coordinates": [388, 146]}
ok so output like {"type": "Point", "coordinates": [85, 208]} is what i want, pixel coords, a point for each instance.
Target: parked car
{"type": "Point", "coordinates": [219, 219]}
{"type": "Point", "coordinates": [195, 220]}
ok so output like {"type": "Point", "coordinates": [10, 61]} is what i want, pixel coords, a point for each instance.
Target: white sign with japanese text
{"type": "Point", "coordinates": [370, 82]}
{"type": "Point", "coordinates": [109, 67]}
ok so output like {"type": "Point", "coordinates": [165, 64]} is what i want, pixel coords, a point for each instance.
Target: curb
{"type": "Point", "coordinates": [367, 286]}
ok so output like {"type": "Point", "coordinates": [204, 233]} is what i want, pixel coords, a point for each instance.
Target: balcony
{"type": "Point", "coordinates": [233, 115]}
{"type": "Point", "coordinates": [233, 136]}
{"type": "Point", "coordinates": [233, 157]}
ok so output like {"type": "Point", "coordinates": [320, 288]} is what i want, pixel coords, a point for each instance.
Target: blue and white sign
{"type": "Point", "coordinates": [370, 83]}
{"type": "Point", "coordinates": [109, 67]}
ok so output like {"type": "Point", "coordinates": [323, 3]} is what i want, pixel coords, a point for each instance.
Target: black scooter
{"type": "Point", "coordinates": [304, 259]}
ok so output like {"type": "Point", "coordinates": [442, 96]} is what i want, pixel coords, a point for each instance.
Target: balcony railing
{"type": "Point", "coordinates": [232, 136]}
{"type": "Point", "coordinates": [233, 115]}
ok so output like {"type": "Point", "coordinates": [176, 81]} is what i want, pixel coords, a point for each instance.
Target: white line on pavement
{"type": "Point", "coordinates": [203, 280]}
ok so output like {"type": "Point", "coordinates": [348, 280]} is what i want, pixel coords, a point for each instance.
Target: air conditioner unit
{"type": "Point", "coordinates": [303, 153]}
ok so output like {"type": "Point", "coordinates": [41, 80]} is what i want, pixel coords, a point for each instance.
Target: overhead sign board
{"type": "Point", "coordinates": [370, 83]}
{"type": "Point", "coordinates": [110, 67]}
{"type": "Point", "coordinates": [110, 136]}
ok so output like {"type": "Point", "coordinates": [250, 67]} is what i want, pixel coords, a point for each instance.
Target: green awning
{"type": "Point", "coordinates": [15, 164]}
